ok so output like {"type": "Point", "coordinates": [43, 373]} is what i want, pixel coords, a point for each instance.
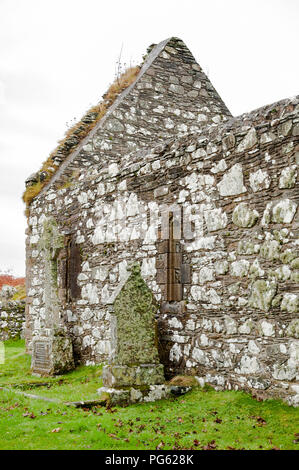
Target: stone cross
{"type": "Point", "coordinates": [52, 351]}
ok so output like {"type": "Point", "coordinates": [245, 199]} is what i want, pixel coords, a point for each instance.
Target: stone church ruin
{"type": "Point", "coordinates": [165, 240]}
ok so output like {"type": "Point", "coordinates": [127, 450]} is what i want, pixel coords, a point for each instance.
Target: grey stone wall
{"type": "Point", "coordinates": [12, 319]}
{"type": "Point", "coordinates": [237, 325]}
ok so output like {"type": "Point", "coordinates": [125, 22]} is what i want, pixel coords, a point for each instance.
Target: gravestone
{"type": "Point", "coordinates": [134, 372]}
{"type": "Point", "coordinates": [52, 350]}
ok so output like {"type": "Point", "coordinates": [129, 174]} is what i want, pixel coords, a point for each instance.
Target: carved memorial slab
{"type": "Point", "coordinates": [52, 350]}
{"type": "Point", "coordinates": [41, 361]}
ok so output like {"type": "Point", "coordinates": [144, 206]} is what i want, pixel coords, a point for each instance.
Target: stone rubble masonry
{"type": "Point", "coordinates": [12, 319]}
{"type": "Point", "coordinates": [171, 97]}
{"type": "Point", "coordinates": [170, 140]}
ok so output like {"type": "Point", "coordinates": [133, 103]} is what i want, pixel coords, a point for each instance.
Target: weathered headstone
{"type": "Point", "coordinates": [52, 351]}
{"type": "Point", "coordinates": [134, 372]}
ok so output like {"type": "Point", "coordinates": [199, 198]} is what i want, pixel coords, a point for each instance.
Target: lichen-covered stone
{"type": "Point", "coordinates": [288, 255]}
{"type": "Point", "coordinates": [115, 125]}
{"type": "Point", "coordinates": [248, 142]}
{"type": "Point", "coordinates": [267, 214]}
{"type": "Point", "coordinates": [285, 128]}
{"type": "Point", "coordinates": [277, 300]}
{"type": "Point", "coordinates": [248, 247]}
{"type": "Point", "coordinates": [246, 327]}
{"type": "Point", "coordinates": [284, 371]}
{"type": "Point", "coordinates": [127, 375]}
{"type": "Point", "coordinates": [282, 273]}
{"type": "Point", "coordinates": [215, 219]}
{"type": "Point", "coordinates": [230, 325]}
{"type": "Point", "coordinates": [288, 177]}
{"type": "Point", "coordinates": [232, 182]}
{"type": "Point", "coordinates": [295, 263]}
{"type": "Point", "coordinates": [259, 383]}
{"type": "Point", "coordinates": [284, 211]}
{"type": "Point", "coordinates": [267, 137]}
{"type": "Point", "coordinates": [221, 267]}
{"type": "Point", "coordinates": [234, 289]}
{"type": "Point", "coordinates": [244, 216]}
{"type": "Point", "coordinates": [259, 180]}
{"type": "Point", "coordinates": [255, 269]}
{"type": "Point", "coordinates": [204, 294]}
{"type": "Point", "coordinates": [290, 303]}
{"type": "Point", "coordinates": [136, 395]}
{"type": "Point", "coordinates": [270, 250]}
{"type": "Point", "coordinates": [262, 293]}
{"type": "Point", "coordinates": [219, 167]}
{"type": "Point", "coordinates": [239, 268]}
{"type": "Point", "coordinates": [113, 396]}
{"type": "Point", "coordinates": [281, 235]}
{"type": "Point", "coordinates": [228, 142]}
{"type": "Point", "coordinates": [199, 356]}
{"type": "Point", "coordinates": [249, 365]}
{"type": "Point", "coordinates": [205, 275]}
{"type": "Point", "coordinates": [266, 328]}
{"type": "Point", "coordinates": [293, 329]}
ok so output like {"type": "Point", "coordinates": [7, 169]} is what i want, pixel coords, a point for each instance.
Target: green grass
{"type": "Point", "coordinates": [200, 419]}
{"type": "Point", "coordinates": [77, 385]}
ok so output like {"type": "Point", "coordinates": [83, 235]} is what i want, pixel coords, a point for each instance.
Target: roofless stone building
{"type": "Point", "coordinates": [162, 238]}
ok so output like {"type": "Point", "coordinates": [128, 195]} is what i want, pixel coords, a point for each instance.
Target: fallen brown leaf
{"type": "Point", "coordinates": [160, 446]}
{"type": "Point", "coordinates": [29, 415]}
{"type": "Point", "coordinates": [210, 446]}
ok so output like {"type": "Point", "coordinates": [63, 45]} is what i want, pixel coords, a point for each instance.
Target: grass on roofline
{"type": "Point", "coordinates": [76, 133]}
{"type": "Point", "coordinates": [201, 419]}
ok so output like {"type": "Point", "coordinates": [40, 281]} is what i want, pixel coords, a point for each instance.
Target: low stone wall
{"type": "Point", "coordinates": [12, 318]}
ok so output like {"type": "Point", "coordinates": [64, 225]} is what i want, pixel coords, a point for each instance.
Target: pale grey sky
{"type": "Point", "coordinates": [57, 58]}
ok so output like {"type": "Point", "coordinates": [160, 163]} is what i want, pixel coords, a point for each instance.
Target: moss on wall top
{"type": "Point", "coordinates": [76, 134]}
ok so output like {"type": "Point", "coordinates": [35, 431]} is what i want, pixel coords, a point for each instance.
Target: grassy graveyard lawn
{"type": "Point", "coordinates": [201, 419]}
{"type": "Point", "coordinates": [80, 384]}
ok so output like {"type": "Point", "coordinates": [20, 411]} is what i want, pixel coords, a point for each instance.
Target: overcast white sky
{"type": "Point", "coordinates": [57, 57]}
